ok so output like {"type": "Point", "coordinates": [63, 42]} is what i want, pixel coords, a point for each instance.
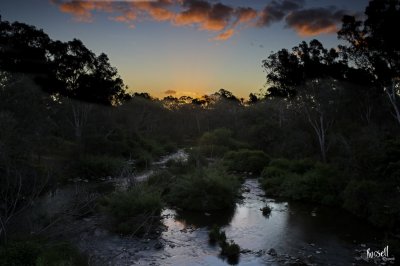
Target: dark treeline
{"type": "Point", "coordinates": [329, 119]}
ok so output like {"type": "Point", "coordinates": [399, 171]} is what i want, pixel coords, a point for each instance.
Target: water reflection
{"type": "Point", "coordinates": [220, 218]}
{"type": "Point", "coordinates": [323, 235]}
{"type": "Point", "coordinates": [326, 235]}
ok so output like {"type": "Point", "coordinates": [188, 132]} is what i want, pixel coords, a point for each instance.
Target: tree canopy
{"type": "Point", "coordinates": [288, 70]}
{"type": "Point", "coordinates": [372, 43]}
{"type": "Point", "coordinates": [60, 68]}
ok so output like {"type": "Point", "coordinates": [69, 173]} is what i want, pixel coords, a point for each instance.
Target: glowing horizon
{"type": "Point", "coordinates": [192, 47]}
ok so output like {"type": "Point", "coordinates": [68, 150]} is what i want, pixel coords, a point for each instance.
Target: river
{"type": "Point", "coordinates": [299, 234]}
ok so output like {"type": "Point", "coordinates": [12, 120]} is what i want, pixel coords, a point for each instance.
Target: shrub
{"type": "Point", "coordinates": [215, 235]}
{"type": "Point", "coordinates": [131, 209]}
{"type": "Point", "coordinates": [91, 166]}
{"type": "Point", "coordinates": [272, 186]}
{"type": "Point", "coordinates": [230, 250]}
{"type": "Point", "coordinates": [246, 160]}
{"type": "Point", "coordinates": [281, 163]}
{"type": "Point", "coordinates": [326, 184]}
{"type": "Point", "coordinates": [216, 143]}
{"type": "Point", "coordinates": [196, 157]}
{"type": "Point", "coordinates": [272, 172]}
{"type": "Point", "coordinates": [357, 196]}
{"type": "Point", "coordinates": [303, 180]}
{"type": "Point", "coordinates": [301, 166]}
{"type": "Point", "coordinates": [266, 211]}
{"type": "Point", "coordinates": [161, 181]}
{"type": "Point", "coordinates": [153, 147]}
{"type": "Point", "coordinates": [375, 201]}
{"type": "Point", "coordinates": [295, 166]}
{"type": "Point", "coordinates": [179, 167]}
{"type": "Point", "coordinates": [296, 187]}
{"type": "Point", "coordinates": [205, 190]}
{"type": "Point", "coordinates": [169, 147]}
{"type": "Point", "coordinates": [220, 136]}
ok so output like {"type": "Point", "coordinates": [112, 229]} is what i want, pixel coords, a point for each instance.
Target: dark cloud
{"type": "Point", "coordinates": [223, 19]}
{"type": "Point", "coordinates": [245, 14]}
{"type": "Point", "coordinates": [213, 17]}
{"type": "Point", "coordinates": [277, 10]}
{"type": "Point", "coordinates": [315, 21]}
{"type": "Point", "coordinates": [170, 92]}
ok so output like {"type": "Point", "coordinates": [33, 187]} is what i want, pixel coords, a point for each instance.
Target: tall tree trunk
{"type": "Point", "coordinates": [80, 112]}
{"type": "Point", "coordinates": [321, 127]}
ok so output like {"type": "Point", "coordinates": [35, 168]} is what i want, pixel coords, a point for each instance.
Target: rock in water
{"type": "Point", "coordinates": [158, 245]}
{"type": "Point", "coordinates": [272, 252]}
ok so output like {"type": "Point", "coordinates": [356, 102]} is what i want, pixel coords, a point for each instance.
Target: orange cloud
{"type": "Point", "coordinates": [210, 16]}
{"type": "Point", "coordinates": [82, 10]}
{"type": "Point", "coordinates": [311, 30]}
{"type": "Point", "coordinates": [127, 17]}
{"type": "Point", "coordinates": [225, 35]}
{"type": "Point", "coordinates": [245, 14]}
{"type": "Point", "coordinates": [157, 10]}
{"type": "Point", "coordinates": [214, 17]}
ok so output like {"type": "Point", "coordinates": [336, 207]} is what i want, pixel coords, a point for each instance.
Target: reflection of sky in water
{"type": "Point", "coordinates": [290, 229]}
{"type": "Point", "coordinates": [251, 230]}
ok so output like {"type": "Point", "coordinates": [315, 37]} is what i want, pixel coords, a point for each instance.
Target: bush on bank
{"type": "Point", "coordinates": [245, 160]}
{"type": "Point", "coordinates": [135, 211]}
{"type": "Point", "coordinates": [204, 189]}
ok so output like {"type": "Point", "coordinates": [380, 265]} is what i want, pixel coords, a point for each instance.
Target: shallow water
{"type": "Point", "coordinates": [313, 234]}
{"type": "Point", "coordinates": [329, 236]}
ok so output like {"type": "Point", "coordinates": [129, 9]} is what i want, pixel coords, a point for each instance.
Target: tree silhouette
{"type": "Point", "coordinates": [288, 70]}
{"type": "Point", "coordinates": [375, 48]}
{"type": "Point", "coordinates": [69, 69]}
{"type": "Point", "coordinates": [253, 98]}
{"type": "Point", "coordinates": [23, 48]}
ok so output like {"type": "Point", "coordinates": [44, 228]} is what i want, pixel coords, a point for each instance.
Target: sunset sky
{"type": "Point", "coordinates": [187, 47]}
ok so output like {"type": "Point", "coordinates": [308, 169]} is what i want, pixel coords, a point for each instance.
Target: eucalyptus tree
{"type": "Point", "coordinates": [373, 47]}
